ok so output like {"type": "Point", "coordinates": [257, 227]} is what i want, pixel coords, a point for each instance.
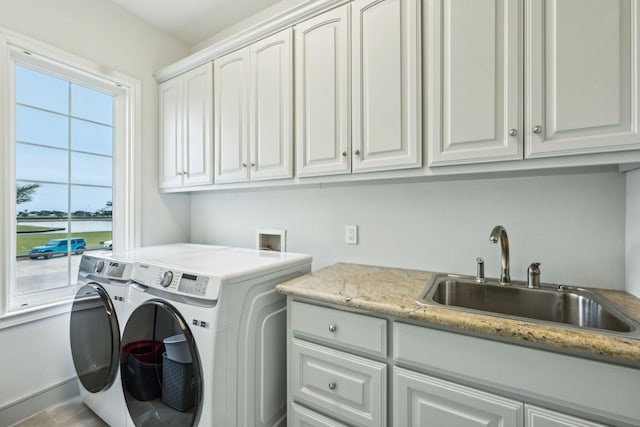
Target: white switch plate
{"type": "Point", "coordinates": [351, 234]}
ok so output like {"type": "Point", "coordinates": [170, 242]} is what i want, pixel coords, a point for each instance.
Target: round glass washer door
{"type": "Point", "coordinates": [160, 369]}
{"type": "Point", "coordinates": [95, 338]}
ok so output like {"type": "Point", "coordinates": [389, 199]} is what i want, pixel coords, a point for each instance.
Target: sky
{"type": "Point", "coordinates": [64, 141]}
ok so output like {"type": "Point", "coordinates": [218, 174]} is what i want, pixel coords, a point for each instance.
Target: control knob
{"type": "Point", "coordinates": [99, 266]}
{"type": "Point", "coordinates": [167, 278]}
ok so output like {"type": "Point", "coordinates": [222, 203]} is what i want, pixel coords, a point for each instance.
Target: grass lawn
{"type": "Point", "coordinates": [24, 242]}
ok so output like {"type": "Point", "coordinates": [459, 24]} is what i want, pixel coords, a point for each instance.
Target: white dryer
{"type": "Point", "coordinates": [233, 327]}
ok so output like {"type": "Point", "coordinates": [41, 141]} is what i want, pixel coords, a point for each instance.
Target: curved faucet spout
{"type": "Point", "coordinates": [500, 233]}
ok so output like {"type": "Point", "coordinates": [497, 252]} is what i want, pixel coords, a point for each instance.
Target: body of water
{"type": "Point", "coordinates": [76, 226]}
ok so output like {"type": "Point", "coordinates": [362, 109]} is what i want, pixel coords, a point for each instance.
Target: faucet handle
{"type": "Point", "coordinates": [480, 270]}
{"type": "Point", "coordinates": [533, 275]}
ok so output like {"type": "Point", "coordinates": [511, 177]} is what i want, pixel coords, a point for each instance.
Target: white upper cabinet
{"type": "Point", "coordinates": [474, 81]}
{"type": "Point", "coordinates": [170, 106]}
{"type": "Point", "coordinates": [231, 109]}
{"type": "Point", "coordinates": [322, 85]}
{"type": "Point", "coordinates": [570, 70]}
{"type": "Point", "coordinates": [253, 111]}
{"type": "Point", "coordinates": [582, 76]}
{"type": "Point", "coordinates": [185, 133]}
{"type": "Point", "coordinates": [271, 107]}
{"type": "Point", "coordinates": [386, 89]}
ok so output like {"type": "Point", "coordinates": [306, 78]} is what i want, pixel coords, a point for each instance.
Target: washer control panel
{"type": "Point", "coordinates": [104, 269]}
{"type": "Point", "coordinates": [174, 281]}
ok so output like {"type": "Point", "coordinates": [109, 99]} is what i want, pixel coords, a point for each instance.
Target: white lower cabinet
{"type": "Point", "coordinates": [351, 367]}
{"type": "Point", "coordinates": [540, 417]}
{"type": "Point", "coordinates": [422, 400]}
{"type": "Point", "coordinates": [337, 373]}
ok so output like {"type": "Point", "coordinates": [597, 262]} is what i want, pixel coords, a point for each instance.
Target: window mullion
{"type": "Point", "coordinates": [69, 166]}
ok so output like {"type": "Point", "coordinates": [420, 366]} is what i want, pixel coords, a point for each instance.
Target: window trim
{"type": "Point", "coordinates": [126, 170]}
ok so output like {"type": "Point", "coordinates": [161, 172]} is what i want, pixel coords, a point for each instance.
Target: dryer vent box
{"type": "Point", "coordinates": [271, 240]}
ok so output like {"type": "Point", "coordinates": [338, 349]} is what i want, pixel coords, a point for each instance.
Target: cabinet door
{"type": "Point", "coordinates": [170, 152]}
{"type": "Point", "coordinates": [198, 144]}
{"type": "Point", "coordinates": [231, 108]}
{"type": "Point", "coordinates": [540, 417]}
{"type": "Point", "coordinates": [475, 80]}
{"type": "Point", "coordinates": [270, 101]}
{"type": "Point", "coordinates": [386, 90]}
{"type": "Point", "coordinates": [582, 68]}
{"type": "Point", "coordinates": [322, 94]}
{"type": "Point", "coordinates": [421, 400]}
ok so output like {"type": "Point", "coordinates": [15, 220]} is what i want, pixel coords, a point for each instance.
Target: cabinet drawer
{"type": "Point", "coordinates": [304, 417]}
{"type": "Point", "coordinates": [350, 330]}
{"type": "Point", "coordinates": [350, 387]}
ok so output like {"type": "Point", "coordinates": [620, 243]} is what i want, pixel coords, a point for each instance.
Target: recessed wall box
{"type": "Point", "coordinates": [271, 240]}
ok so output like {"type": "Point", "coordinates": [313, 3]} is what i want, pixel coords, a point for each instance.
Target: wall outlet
{"type": "Point", "coordinates": [351, 234]}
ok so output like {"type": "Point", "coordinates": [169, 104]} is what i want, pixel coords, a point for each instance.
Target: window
{"type": "Point", "coordinates": [71, 152]}
{"type": "Point", "coordinates": [64, 180]}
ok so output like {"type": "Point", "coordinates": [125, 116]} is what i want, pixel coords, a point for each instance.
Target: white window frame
{"type": "Point", "coordinates": [126, 154]}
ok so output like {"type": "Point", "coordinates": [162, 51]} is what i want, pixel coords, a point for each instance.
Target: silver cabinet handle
{"type": "Point", "coordinates": [244, 165]}
{"type": "Point", "coordinates": [513, 132]}
{"type": "Point", "coordinates": [332, 385]}
{"type": "Point", "coordinates": [332, 327]}
{"type": "Point", "coordinates": [357, 152]}
{"type": "Point", "coordinates": [344, 154]}
{"type": "Point", "coordinates": [253, 164]}
{"type": "Point", "coordinates": [537, 129]}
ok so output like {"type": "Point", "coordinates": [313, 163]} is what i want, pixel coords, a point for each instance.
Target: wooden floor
{"type": "Point", "coordinates": [72, 413]}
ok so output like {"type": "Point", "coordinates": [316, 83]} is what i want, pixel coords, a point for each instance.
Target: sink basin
{"type": "Point", "coordinates": [575, 307]}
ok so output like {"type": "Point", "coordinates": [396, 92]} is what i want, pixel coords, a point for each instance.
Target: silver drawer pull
{"type": "Point", "coordinates": [332, 328]}
{"type": "Point", "coordinates": [332, 385]}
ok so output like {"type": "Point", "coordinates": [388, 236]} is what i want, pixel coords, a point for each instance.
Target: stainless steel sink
{"type": "Point", "coordinates": [574, 307]}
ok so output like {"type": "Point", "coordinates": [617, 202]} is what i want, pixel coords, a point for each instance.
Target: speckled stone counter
{"type": "Point", "coordinates": [394, 291]}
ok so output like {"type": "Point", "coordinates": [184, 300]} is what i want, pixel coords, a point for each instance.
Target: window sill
{"type": "Point", "coordinates": [32, 314]}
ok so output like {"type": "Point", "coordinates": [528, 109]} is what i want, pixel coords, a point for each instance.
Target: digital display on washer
{"type": "Point", "coordinates": [191, 284]}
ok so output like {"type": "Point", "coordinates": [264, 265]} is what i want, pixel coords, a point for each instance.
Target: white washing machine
{"type": "Point", "coordinates": [231, 323]}
{"type": "Point", "coordinates": [100, 310]}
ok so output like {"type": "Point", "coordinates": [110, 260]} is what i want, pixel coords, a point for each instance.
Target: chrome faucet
{"type": "Point", "coordinates": [500, 233]}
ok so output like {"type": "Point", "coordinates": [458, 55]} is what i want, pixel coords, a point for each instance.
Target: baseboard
{"type": "Point", "coordinates": [37, 402]}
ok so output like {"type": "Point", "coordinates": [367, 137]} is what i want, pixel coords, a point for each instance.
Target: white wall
{"type": "Point", "coordinates": [633, 232]}
{"type": "Point", "coordinates": [102, 32]}
{"type": "Point", "coordinates": [573, 224]}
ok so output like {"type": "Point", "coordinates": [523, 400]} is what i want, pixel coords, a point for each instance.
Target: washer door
{"type": "Point", "coordinates": [160, 371]}
{"type": "Point", "coordinates": [95, 338]}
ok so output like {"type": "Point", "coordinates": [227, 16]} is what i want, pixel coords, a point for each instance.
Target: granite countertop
{"type": "Point", "coordinates": [394, 291]}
